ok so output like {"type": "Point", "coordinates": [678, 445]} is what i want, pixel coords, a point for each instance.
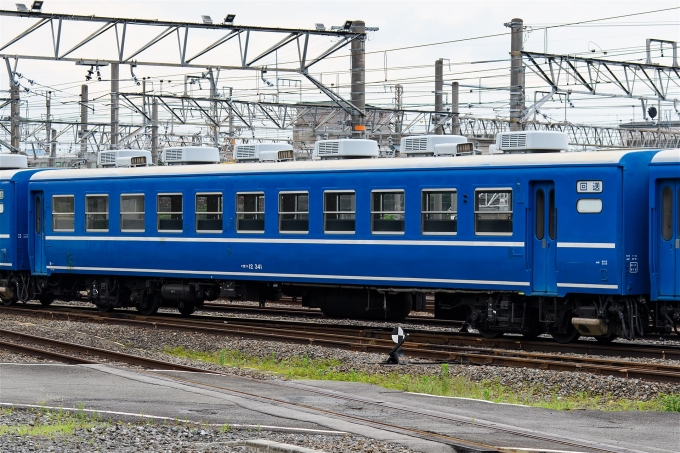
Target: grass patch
{"type": "Point", "coordinates": [50, 423]}
{"type": "Point", "coordinates": [439, 382]}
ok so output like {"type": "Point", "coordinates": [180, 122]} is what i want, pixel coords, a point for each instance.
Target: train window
{"type": "Point", "coordinates": [96, 213]}
{"type": "Point", "coordinates": [540, 214]}
{"type": "Point", "coordinates": [667, 214]}
{"type": "Point", "coordinates": [493, 212]}
{"type": "Point", "coordinates": [132, 212]}
{"type": "Point", "coordinates": [552, 215]}
{"type": "Point", "coordinates": [169, 212]}
{"type": "Point", "coordinates": [439, 212]}
{"type": "Point", "coordinates": [387, 211]}
{"type": "Point", "coordinates": [63, 213]}
{"type": "Point", "coordinates": [589, 205]}
{"type": "Point", "coordinates": [250, 212]}
{"type": "Point", "coordinates": [293, 212]}
{"type": "Point", "coordinates": [339, 212]}
{"type": "Point", "coordinates": [209, 212]}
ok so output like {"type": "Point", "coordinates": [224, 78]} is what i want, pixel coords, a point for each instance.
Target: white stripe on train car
{"type": "Point", "coordinates": [286, 241]}
{"type": "Point", "coordinates": [4, 236]}
{"type": "Point", "coordinates": [586, 245]}
{"type": "Point", "coordinates": [6, 264]}
{"type": "Point", "coordinates": [586, 286]}
{"type": "Point", "coordinates": [263, 274]}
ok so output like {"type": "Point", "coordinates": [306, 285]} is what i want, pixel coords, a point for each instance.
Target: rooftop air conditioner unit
{"type": "Point", "coordinates": [13, 161]}
{"type": "Point", "coordinates": [262, 152]}
{"type": "Point", "coordinates": [190, 155]}
{"type": "Point", "coordinates": [122, 157]}
{"type": "Point", "coordinates": [345, 149]}
{"type": "Point", "coordinates": [532, 142]}
{"type": "Point", "coordinates": [424, 145]}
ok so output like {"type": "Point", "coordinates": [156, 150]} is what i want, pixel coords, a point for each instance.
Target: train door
{"type": "Point", "coordinates": [544, 238]}
{"type": "Point", "coordinates": [39, 233]}
{"type": "Point", "coordinates": [669, 238]}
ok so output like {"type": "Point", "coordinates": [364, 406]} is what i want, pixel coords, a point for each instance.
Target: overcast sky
{"type": "Point", "coordinates": [401, 24]}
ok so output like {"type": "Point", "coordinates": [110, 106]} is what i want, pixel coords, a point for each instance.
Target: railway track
{"type": "Point", "coordinates": [73, 352]}
{"type": "Point", "coordinates": [426, 346]}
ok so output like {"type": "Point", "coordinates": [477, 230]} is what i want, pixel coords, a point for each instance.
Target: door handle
{"type": "Point", "coordinates": [543, 243]}
{"type": "Point", "coordinates": [677, 243]}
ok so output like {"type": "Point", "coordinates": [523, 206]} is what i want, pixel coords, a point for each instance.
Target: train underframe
{"type": "Point", "coordinates": [565, 318]}
{"type": "Point", "coordinates": [492, 314]}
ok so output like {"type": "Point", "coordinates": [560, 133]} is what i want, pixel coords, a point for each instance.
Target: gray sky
{"type": "Point", "coordinates": [401, 23]}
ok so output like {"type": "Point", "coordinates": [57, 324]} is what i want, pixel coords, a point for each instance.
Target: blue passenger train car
{"type": "Point", "coordinates": [664, 192]}
{"type": "Point", "coordinates": [13, 230]}
{"type": "Point", "coordinates": [528, 243]}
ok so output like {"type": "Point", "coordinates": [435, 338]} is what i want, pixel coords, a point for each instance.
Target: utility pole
{"type": "Point", "coordinates": [516, 74]}
{"type": "Point", "coordinates": [154, 131]}
{"type": "Point", "coordinates": [83, 120]}
{"type": "Point", "coordinates": [398, 104]}
{"type": "Point", "coordinates": [15, 126]}
{"type": "Point", "coordinates": [438, 92]}
{"type": "Point", "coordinates": [48, 128]}
{"type": "Point", "coordinates": [455, 122]}
{"type": "Point", "coordinates": [53, 148]}
{"type": "Point", "coordinates": [358, 94]}
{"type": "Point", "coordinates": [212, 78]}
{"type": "Point", "coordinates": [115, 75]}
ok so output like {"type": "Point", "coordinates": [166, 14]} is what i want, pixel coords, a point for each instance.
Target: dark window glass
{"type": "Point", "coordinates": [493, 212]}
{"type": "Point", "coordinates": [250, 212]}
{"type": "Point", "coordinates": [667, 214]}
{"type": "Point", "coordinates": [540, 214]}
{"type": "Point", "coordinates": [169, 212]}
{"type": "Point", "coordinates": [63, 213]}
{"type": "Point", "coordinates": [339, 212]}
{"type": "Point", "coordinates": [38, 215]}
{"type": "Point", "coordinates": [552, 213]}
{"type": "Point", "coordinates": [294, 212]}
{"type": "Point", "coordinates": [132, 212]}
{"type": "Point", "coordinates": [209, 212]}
{"type": "Point", "coordinates": [387, 212]}
{"type": "Point", "coordinates": [97, 213]}
{"type": "Point", "coordinates": [439, 212]}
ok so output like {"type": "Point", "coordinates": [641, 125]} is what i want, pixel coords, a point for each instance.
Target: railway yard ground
{"type": "Point", "coordinates": [224, 379]}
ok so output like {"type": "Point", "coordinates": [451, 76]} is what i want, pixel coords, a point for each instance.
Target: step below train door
{"type": "Point", "coordinates": [544, 238]}
{"type": "Point", "coordinates": [669, 238]}
{"type": "Point", "coordinates": [38, 233]}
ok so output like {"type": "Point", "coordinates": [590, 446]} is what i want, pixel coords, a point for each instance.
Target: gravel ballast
{"type": "Point", "coordinates": [119, 436]}
{"type": "Point", "coordinates": [545, 384]}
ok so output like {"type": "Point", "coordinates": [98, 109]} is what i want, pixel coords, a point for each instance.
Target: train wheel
{"type": "Point", "coordinates": [45, 301]}
{"type": "Point", "coordinates": [486, 333]}
{"type": "Point", "coordinates": [606, 339]}
{"type": "Point", "coordinates": [186, 308]}
{"type": "Point", "coordinates": [104, 308]}
{"type": "Point", "coordinates": [8, 302]}
{"type": "Point", "coordinates": [569, 336]}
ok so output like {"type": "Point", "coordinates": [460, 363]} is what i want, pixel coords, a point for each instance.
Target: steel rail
{"type": "Point", "coordinates": [462, 445]}
{"type": "Point", "coordinates": [436, 352]}
{"type": "Point", "coordinates": [89, 350]}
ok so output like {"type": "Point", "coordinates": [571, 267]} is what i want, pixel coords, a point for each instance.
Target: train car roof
{"type": "Point", "coordinates": [669, 155]}
{"type": "Point", "coordinates": [480, 161]}
{"type": "Point", "coordinates": [7, 175]}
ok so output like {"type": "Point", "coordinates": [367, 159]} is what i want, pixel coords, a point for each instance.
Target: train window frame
{"type": "Point", "coordinates": [375, 212]}
{"type": "Point", "coordinates": [256, 213]}
{"type": "Point", "coordinates": [424, 211]}
{"type": "Point", "coordinates": [129, 213]}
{"type": "Point", "coordinates": [171, 213]}
{"type": "Point", "coordinates": [297, 214]}
{"type": "Point", "coordinates": [219, 213]}
{"type": "Point", "coordinates": [338, 212]}
{"type": "Point", "coordinates": [479, 212]}
{"type": "Point", "coordinates": [64, 214]}
{"type": "Point", "coordinates": [93, 215]}
{"type": "Point", "coordinates": [588, 200]}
